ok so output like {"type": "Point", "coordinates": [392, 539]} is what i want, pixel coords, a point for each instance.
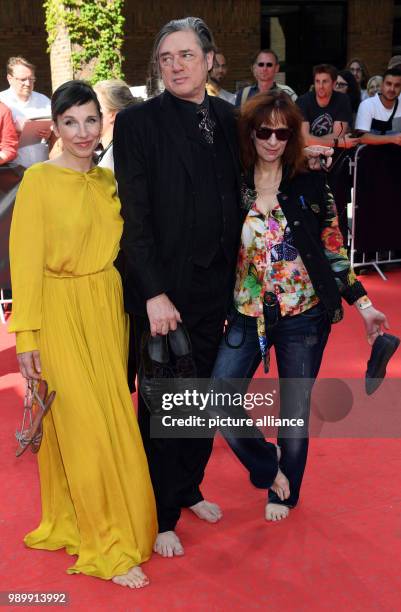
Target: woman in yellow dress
{"type": "Point", "coordinates": [97, 498]}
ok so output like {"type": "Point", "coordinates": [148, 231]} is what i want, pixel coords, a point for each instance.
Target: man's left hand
{"type": "Point", "coordinates": [313, 154]}
{"type": "Point", "coordinates": [348, 142]}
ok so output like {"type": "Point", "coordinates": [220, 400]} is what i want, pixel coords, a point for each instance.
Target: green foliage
{"type": "Point", "coordinates": [96, 27]}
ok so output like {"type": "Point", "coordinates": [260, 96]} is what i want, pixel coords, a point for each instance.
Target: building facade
{"type": "Point", "coordinates": [303, 32]}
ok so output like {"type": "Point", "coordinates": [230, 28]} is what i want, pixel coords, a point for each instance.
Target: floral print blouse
{"type": "Point", "coordinates": [268, 261]}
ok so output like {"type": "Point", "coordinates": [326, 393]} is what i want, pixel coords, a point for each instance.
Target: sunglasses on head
{"type": "Point", "coordinates": [263, 64]}
{"type": "Point", "coordinates": [264, 133]}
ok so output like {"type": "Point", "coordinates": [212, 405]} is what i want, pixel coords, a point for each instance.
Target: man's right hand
{"type": "Point", "coordinates": [163, 315]}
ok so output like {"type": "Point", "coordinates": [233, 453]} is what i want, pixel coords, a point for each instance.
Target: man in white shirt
{"type": "Point", "coordinates": [380, 116]}
{"type": "Point", "coordinates": [24, 104]}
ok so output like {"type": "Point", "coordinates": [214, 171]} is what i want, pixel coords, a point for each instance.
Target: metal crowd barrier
{"type": "Point", "coordinates": [376, 207]}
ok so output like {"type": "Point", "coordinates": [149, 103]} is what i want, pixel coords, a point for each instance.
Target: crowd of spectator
{"type": "Point", "coordinates": [342, 108]}
{"type": "Point", "coordinates": [329, 117]}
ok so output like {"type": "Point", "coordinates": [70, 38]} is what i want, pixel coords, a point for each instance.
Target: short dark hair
{"type": "Point", "coordinates": [70, 94]}
{"type": "Point", "coordinates": [256, 55]}
{"type": "Point", "coordinates": [392, 72]}
{"type": "Point", "coordinates": [327, 69]}
{"type": "Point", "coordinates": [262, 108]}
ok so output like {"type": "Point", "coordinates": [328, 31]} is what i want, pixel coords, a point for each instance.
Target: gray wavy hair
{"type": "Point", "coordinates": [116, 94]}
{"type": "Point", "coordinates": [193, 24]}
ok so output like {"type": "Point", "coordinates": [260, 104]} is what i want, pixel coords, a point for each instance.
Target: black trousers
{"type": "Point", "coordinates": [177, 465]}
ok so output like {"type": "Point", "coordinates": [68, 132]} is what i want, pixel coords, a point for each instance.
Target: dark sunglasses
{"type": "Point", "coordinates": [267, 64]}
{"type": "Point", "coordinates": [264, 133]}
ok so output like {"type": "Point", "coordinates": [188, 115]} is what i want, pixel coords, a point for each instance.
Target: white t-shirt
{"type": "Point", "coordinates": [372, 108]}
{"type": "Point", "coordinates": [37, 106]}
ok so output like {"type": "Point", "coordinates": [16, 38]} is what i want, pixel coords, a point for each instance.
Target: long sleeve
{"type": "Point", "coordinates": [8, 136]}
{"type": "Point", "coordinates": [349, 286]}
{"type": "Point", "coordinates": [27, 262]}
{"type": "Point", "coordinates": [144, 268]}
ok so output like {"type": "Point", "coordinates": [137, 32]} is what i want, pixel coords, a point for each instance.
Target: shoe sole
{"type": "Point", "coordinates": [372, 384]}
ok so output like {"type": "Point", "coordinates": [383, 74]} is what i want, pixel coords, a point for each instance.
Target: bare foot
{"type": "Point", "coordinates": [207, 511]}
{"type": "Point", "coordinates": [276, 512]}
{"type": "Point", "coordinates": [168, 544]}
{"type": "Point", "coordinates": [281, 486]}
{"type": "Point", "coordinates": [134, 578]}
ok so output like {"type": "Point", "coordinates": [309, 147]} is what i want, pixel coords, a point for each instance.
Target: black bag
{"type": "Point", "coordinates": [384, 126]}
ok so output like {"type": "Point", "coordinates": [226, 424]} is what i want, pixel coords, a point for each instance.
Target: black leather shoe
{"type": "Point", "coordinates": [181, 353]}
{"type": "Point", "coordinates": [383, 349]}
{"type": "Point", "coordinates": [155, 364]}
{"type": "Point", "coordinates": [155, 358]}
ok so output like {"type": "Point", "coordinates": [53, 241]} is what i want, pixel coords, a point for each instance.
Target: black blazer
{"type": "Point", "coordinates": [155, 175]}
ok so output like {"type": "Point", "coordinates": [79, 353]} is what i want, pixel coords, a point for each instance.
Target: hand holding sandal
{"type": "Point", "coordinates": [37, 403]}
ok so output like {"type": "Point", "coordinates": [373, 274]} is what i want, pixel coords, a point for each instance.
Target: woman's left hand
{"type": "Point", "coordinates": [374, 322]}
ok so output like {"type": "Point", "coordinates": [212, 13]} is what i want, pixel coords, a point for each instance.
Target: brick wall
{"type": "Point", "coordinates": [370, 27]}
{"type": "Point", "coordinates": [60, 59]}
{"type": "Point", "coordinates": [22, 32]}
{"type": "Point", "coordinates": [234, 23]}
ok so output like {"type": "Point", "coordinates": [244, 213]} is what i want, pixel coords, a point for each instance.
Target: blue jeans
{"type": "Point", "coordinates": [299, 342]}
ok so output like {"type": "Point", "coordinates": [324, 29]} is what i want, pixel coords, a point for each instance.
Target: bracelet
{"type": "Point", "coordinates": [363, 302]}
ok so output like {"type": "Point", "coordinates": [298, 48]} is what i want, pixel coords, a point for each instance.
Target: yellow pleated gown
{"type": "Point", "coordinates": [97, 498]}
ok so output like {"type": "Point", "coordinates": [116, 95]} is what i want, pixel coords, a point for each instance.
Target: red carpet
{"type": "Point", "coordinates": [339, 550]}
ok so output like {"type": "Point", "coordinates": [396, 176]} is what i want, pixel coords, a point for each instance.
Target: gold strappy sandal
{"type": "Point", "coordinates": [37, 403]}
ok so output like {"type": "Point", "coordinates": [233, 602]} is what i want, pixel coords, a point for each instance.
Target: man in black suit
{"type": "Point", "coordinates": [176, 163]}
{"type": "Point", "coordinates": [177, 166]}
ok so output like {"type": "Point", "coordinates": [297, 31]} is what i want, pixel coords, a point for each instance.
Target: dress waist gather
{"type": "Point", "coordinates": [50, 274]}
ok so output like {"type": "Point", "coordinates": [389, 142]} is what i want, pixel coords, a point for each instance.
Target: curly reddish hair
{"type": "Point", "coordinates": [272, 108]}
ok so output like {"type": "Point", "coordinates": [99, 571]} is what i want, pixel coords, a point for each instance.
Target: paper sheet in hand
{"type": "Point", "coordinates": [30, 131]}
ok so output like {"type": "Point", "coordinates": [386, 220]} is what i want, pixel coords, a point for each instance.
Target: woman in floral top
{"type": "Point", "coordinates": [292, 272]}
